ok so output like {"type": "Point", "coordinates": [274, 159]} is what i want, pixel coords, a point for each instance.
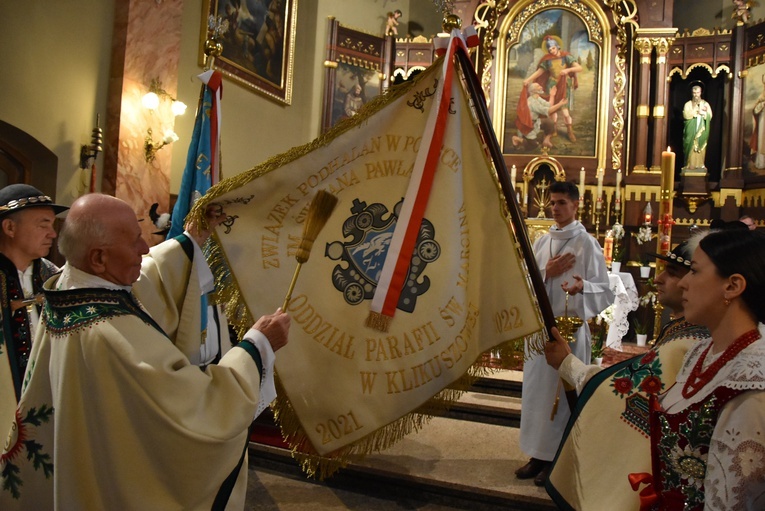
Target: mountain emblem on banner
{"type": "Point", "coordinates": [370, 229]}
{"type": "Point", "coordinates": [364, 366]}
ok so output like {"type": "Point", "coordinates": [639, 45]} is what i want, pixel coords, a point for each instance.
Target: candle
{"type": "Point", "coordinates": [608, 247]}
{"type": "Point", "coordinates": [668, 171]}
{"type": "Point", "coordinates": [618, 184]}
{"type": "Point", "coordinates": [600, 184]}
{"type": "Point", "coordinates": [582, 176]}
{"type": "Point", "coordinates": [512, 176]}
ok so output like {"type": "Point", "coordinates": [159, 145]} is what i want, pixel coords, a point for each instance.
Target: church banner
{"type": "Point", "coordinates": [347, 388]}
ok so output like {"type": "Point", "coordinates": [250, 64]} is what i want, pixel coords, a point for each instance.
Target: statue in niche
{"type": "Point", "coordinates": [697, 116]}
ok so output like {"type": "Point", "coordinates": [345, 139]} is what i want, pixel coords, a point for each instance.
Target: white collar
{"type": "Point", "coordinates": [72, 278]}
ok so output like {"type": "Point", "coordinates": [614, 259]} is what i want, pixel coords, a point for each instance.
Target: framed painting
{"type": "Point", "coordinates": [754, 122]}
{"type": "Point", "coordinates": [358, 68]}
{"type": "Point", "coordinates": [552, 80]}
{"type": "Point", "coordinates": [258, 44]}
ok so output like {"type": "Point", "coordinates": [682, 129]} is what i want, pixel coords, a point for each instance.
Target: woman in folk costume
{"type": "Point", "coordinates": [708, 430]}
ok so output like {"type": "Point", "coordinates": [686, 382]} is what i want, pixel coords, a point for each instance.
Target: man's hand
{"type": "Point", "coordinates": [556, 349]}
{"type": "Point", "coordinates": [275, 327]}
{"type": "Point", "coordinates": [559, 264]}
{"type": "Point", "coordinates": [214, 215]}
{"type": "Point", "coordinates": [574, 288]}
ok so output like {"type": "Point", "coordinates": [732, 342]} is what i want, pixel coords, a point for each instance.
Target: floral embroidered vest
{"type": "Point", "coordinates": [679, 448]}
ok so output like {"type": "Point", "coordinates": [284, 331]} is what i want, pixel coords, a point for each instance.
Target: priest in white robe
{"type": "Point", "coordinates": [570, 261]}
{"type": "Point", "coordinates": [113, 415]}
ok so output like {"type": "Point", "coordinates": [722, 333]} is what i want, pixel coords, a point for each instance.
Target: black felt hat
{"type": "Point", "coordinates": [680, 255]}
{"type": "Point", "coordinates": [21, 196]}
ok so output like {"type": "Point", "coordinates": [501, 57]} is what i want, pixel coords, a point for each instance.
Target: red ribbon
{"type": "Point", "coordinates": [648, 496]}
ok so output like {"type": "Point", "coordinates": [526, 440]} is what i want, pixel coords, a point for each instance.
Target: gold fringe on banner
{"type": "Point", "coordinates": [321, 467]}
{"type": "Point", "coordinates": [228, 293]}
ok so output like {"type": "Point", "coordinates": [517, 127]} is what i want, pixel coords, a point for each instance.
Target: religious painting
{"type": "Point", "coordinates": [358, 70]}
{"type": "Point", "coordinates": [551, 87]}
{"type": "Point", "coordinates": [353, 87]}
{"type": "Point", "coordinates": [258, 43]}
{"type": "Point", "coordinates": [754, 122]}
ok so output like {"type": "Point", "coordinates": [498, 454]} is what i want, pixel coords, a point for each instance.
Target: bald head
{"type": "Point", "coordinates": [101, 236]}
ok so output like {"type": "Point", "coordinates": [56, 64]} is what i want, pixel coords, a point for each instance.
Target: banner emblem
{"type": "Point", "coordinates": [370, 229]}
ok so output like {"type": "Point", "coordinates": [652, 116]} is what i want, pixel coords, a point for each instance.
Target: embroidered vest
{"type": "Point", "coordinates": [679, 448]}
{"type": "Point", "coordinates": [15, 324]}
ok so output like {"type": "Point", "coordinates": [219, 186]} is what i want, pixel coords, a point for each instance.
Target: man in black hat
{"type": "Point", "coordinates": [26, 236]}
{"type": "Point", "coordinates": [612, 401]}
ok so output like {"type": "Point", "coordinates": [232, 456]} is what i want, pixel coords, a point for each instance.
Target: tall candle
{"type": "Point", "coordinates": [582, 176]}
{"type": "Point", "coordinates": [513, 170]}
{"type": "Point", "coordinates": [608, 247]}
{"type": "Point", "coordinates": [668, 171]}
{"type": "Point", "coordinates": [600, 184]}
{"type": "Point", "coordinates": [618, 184]}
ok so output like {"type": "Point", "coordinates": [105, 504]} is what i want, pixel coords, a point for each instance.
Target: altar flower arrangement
{"type": "Point", "coordinates": [618, 231]}
{"type": "Point", "coordinates": [644, 235]}
{"type": "Point", "coordinates": [600, 331]}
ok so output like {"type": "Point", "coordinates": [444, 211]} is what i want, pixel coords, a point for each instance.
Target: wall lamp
{"type": "Point", "coordinates": [153, 101]}
{"type": "Point", "coordinates": [88, 153]}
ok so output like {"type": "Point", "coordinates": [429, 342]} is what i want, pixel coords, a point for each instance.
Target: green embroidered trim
{"type": "Point", "coordinates": [73, 310]}
{"type": "Point", "coordinates": [25, 443]}
{"type": "Point", "coordinates": [63, 320]}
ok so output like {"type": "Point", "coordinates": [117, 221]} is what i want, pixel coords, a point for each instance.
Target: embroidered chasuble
{"type": "Point", "coordinates": [143, 427]}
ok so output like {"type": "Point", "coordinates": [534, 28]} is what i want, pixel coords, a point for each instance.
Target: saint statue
{"type": "Point", "coordinates": [697, 115]}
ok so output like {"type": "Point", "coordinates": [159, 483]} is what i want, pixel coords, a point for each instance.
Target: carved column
{"type": "Point", "coordinates": [662, 45]}
{"type": "Point", "coordinates": [732, 174]}
{"type": "Point", "coordinates": [644, 46]}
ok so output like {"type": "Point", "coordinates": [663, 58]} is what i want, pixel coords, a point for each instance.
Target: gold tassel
{"type": "Point", "coordinates": [319, 212]}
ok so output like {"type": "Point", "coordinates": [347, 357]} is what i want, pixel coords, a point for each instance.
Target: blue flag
{"type": "Point", "coordinates": [198, 174]}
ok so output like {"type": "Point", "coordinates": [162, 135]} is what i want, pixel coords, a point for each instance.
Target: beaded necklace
{"type": "Point", "coordinates": [699, 378]}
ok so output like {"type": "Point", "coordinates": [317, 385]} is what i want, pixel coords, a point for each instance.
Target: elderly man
{"type": "Point", "coordinates": [26, 236]}
{"type": "Point", "coordinates": [533, 120]}
{"type": "Point", "coordinates": [610, 408]}
{"type": "Point", "coordinates": [114, 416]}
